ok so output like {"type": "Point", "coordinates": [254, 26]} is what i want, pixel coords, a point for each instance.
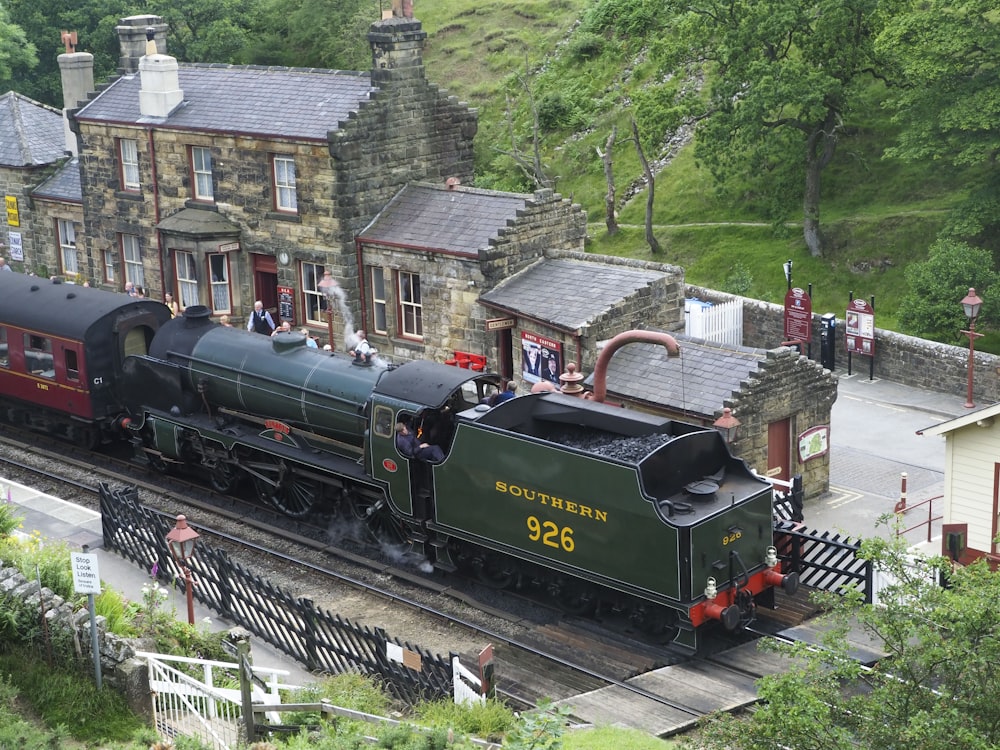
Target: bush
{"type": "Point", "coordinates": [585, 45]}
{"type": "Point", "coordinates": [488, 721]}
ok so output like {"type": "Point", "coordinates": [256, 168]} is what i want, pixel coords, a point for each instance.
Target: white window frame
{"type": "Point", "coordinates": [222, 300]}
{"type": "Point", "coordinates": [187, 278]}
{"type": "Point", "coordinates": [201, 174]}
{"type": "Point", "coordinates": [380, 322]}
{"type": "Point", "coordinates": [132, 257]}
{"type": "Point", "coordinates": [128, 151]}
{"type": "Point", "coordinates": [109, 266]}
{"type": "Point", "coordinates": [314, 298]}
{"type": "Point", "coordinates": [410, 306]}
{"type": "Point", "coordinates": [283, 172]}
{"type": "Point", "coordinates": [67, 247]}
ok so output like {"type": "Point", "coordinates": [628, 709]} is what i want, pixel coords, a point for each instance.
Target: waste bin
{"type": "Point", "coordinates": [828, 341]}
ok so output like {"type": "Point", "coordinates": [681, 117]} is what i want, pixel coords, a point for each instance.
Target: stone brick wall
{"type": "Point", "coordinates": [902, 359]}
{"type": "Point", "coordinates": [18, 183]}
{"type": "Point", "coordinates": [547, 224]}
{"type": "Point", "coordinates": [787, 386]}
{"type": "Point", "coordinates": [119, 667]}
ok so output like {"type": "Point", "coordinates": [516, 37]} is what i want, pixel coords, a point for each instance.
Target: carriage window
{"type": "Point", "coordinates": [4, 358]}
{"type": "Point", "coordinates": [38, 356]}
{"type": "Point", "coordinates": [72, 365]}
{"type": "Point", "coordinates": [136, 341]}
{"type": "Point", "coordinates": [384, 425]}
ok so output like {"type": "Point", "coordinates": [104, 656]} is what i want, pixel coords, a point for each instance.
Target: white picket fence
{"type": "Point", "coordinates": [720, 323]}
{"type": "Point", "coordinates": [203, 708]}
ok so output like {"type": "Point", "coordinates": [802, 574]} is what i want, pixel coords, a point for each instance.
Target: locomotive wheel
{"type": "Point", "coordinates": [373, 514]}
{"type": "Point", "coordinates": [224, 477]}
{"type": "Point", "coordinates": [660, 625]}
{"type": "Point", "coordinates": [577, 599]}
{"type": "Point", "coordinates": [292, 493]}
{"type": "Point", "coordinates": [496, 571]}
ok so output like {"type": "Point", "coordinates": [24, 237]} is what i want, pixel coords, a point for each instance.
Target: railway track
{"type": "Point", "coordinates": [539, 653]}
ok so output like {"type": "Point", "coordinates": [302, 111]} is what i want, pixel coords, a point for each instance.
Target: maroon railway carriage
{"type": "Point", "coordinates": [61, 352]}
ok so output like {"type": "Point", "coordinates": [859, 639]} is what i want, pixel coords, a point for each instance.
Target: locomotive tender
{"type": "Point", "coordinates": [597, 506]}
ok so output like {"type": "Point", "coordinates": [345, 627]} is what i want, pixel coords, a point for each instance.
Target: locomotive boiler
{"type": "Point", "coordinates": [598, 506]}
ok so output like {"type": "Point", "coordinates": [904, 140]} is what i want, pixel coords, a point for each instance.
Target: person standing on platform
{"type": "Point", "coordinates": [4, 266]}
{"type": "Point", "coordinates": [261, 321]}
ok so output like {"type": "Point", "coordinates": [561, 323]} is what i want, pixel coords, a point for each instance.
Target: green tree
{"type": "Point", "coordinates": [935, 689]}
{"type": "Point", "coordinates": [316, 33]}
{"type": "Point", "coordinates": [209, 30]}
{"type": "Point", "coordinates": [947, 55]}
{"type": "Point", "coordinates": [44, 21]}
{"type": "Point", "coordinates": [783, 79]}
{"type": "Point", "coordinates": [931, 306]}
{"type": "Point", "coordinates": [18, 56]}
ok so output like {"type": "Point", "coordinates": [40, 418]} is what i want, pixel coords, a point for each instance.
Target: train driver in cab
{"type": "Point", "coordinates": [408, 445]}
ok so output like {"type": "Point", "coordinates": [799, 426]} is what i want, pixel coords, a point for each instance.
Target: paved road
{"type": "Point", "coordinates": [873, 440]}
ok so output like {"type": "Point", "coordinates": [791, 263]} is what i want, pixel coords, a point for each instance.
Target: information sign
{"type": "Point", "coordinates": [286, 304]}
{"type": "Point", "coordinates": [86, 575]}
{"type": "Point", "coordinates": [798, 316]}
{"type": "Point", "coordinates": [859, 328]}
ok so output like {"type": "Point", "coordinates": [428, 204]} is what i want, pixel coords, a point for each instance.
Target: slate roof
{"type": "Point", "coordinates": [64, 185]}
{"type": "Point", "coordinates": [298, 103]}
{"type": "Point", "coordinates": [458, 220]}
{"type": "Point", "coordinates": [31, 133]}
{"type": "Point", "coordinates": [202, 222]}
{"type": "Point", "coordinates": [567, 293]}
{"type": "Point", "coordinates": [699, 381]}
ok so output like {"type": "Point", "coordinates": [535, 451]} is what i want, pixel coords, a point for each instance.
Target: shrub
{"type": "Point", "coordinates": [585, 45]}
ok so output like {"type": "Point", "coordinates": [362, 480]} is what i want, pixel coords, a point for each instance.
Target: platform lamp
{"type": "Point", "coordinates": [727, 424]}
{"type": "Point", "coordinates": [180, 540]}
{"type": "Point", "coordinates": [971, 304]}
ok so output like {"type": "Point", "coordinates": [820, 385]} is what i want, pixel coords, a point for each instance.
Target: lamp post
{"type": "Point", "coordinates": [788, 272]}
{"type": "Point", "coordinates": [180, 540]}
{"type": "Point", "coordinates": [727, 424]}
{"type": "Point", "coordinates": [971, 304]}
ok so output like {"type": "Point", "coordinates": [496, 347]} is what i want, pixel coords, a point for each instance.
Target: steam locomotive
{"type": "Point", "coordinates": [598, 506]}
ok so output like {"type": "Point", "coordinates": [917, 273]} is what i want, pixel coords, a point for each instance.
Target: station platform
{"type": "Point", "coordinates": [53, 519]}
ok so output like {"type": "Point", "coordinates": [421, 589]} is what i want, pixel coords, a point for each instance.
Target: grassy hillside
{"type": "Point", "coordinates": [879, 216]}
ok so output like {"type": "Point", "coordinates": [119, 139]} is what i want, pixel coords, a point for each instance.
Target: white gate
{"type": "Point", "coordinates": [184, 705]}
{"type": "Point", "coordinates": [720, 323]}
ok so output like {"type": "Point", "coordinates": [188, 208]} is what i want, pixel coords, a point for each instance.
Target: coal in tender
{"type": "Point", "coordinates": [609, 444]}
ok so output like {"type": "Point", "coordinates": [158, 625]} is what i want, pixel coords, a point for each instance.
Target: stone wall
{"type": "Point", "coordinates": [902, 359]}
{"type": "Point", "coordinates": [119, 667]}
{"type": "Point", "coordinates": [548, 223]}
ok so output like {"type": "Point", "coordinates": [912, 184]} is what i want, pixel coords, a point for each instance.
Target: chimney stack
{"type": "Point", "coordinates": [132, 40]}
{"type": "Point", "coordinates": [160, 92]}
{"type": "Point", "coordinates": [77, 72]}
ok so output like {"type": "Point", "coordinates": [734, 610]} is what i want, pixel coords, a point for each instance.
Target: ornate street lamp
{"type": "Point", "coordinates": [971, 304]}
{"type": "Point", "coordinates": [728, 425]}
{"type": "Point", "coordinates": [180, 541]}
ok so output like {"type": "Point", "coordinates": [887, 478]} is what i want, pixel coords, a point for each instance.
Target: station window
{"type": "Point", "coordinates": [410, 307]}
{"type": "Point", "coordinates": [4, 356]}
{"type": "Point", "coordinates": [201, 169]}
{"type": "Point", "coordinates": [378, 300]}
{"type": "Point", "coordinates": [133, 260]}
{"type": "Point", "coordinates": [128, 153]}
{"type": "Point", "coordinates": [315, 299]}
{"type": "Point", "coordinates": [218, 266]}
{"type": "Point", "coordinates": [67, 247]}
{"type": "Point", "coordinates": [285, 198]}
{"type": "Point", "coordinates": [187, 278]}
{"type": "Point", "coordinates": [109, 266]}
{"type": "Point", "coordinates": [38, 356]}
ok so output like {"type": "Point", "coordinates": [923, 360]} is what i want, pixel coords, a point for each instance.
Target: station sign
{"type": "Point", "coordinates": [798, 316]}
{"type": "Point", "coordinates": [498, 324]}
{"type": "Point", "coordinates": [13, 215]}
{"type": "Point", "coordinates": [859, 328]}
{"type": "Point", "coordinates": [86, 575]}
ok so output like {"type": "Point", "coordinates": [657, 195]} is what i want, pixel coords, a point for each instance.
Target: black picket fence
{"type": "Point", "coordinates": [824, 561]}
{"type": "Point", "coordinates": [318, 639]}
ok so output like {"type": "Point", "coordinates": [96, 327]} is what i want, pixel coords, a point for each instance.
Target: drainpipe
{"type": "Point", "coordinates": [156, 210]}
